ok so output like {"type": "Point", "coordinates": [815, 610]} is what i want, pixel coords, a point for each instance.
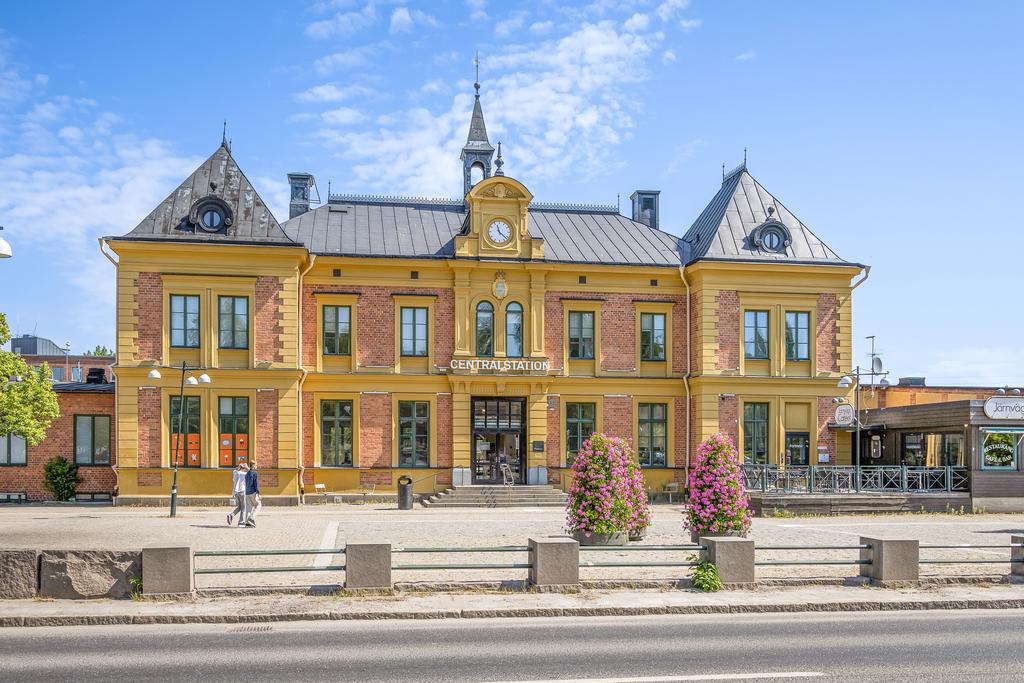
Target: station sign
{"type": "Point", "coordinates": [500, 365]}
{"type": "Point", "coordinates": [1005, 408]}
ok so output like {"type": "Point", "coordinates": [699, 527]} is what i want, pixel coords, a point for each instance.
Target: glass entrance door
{"type": "Point", "coordinates": [797, 446]}
{"type": "Point", "coordinates": [499, 437]}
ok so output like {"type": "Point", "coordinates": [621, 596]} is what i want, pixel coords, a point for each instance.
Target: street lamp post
{"type": "Point", "coordinates": [191, 381]}
{"type": "Point", "coordinates": [855, 376]}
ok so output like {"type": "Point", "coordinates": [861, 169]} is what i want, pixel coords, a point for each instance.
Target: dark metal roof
{"type": "Point", "coordinates": [352, 225]}
{"type": "Point", "coordinates": [220, 177]}
{"type": "Point", "coordinates": [723, 230]}
{"type": "Point", "coordinates": [84, 387]}
{"type": "Point", "coordinates": [30, 345]}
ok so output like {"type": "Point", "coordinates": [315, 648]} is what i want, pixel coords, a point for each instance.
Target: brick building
{"type": "Point", "coordinates": [64, 365]}
{"type": "Point", "coordinates": [466, 341]}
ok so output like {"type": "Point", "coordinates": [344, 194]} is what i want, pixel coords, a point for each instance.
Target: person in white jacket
{"type": "Point", "coordinates": [238, 492]}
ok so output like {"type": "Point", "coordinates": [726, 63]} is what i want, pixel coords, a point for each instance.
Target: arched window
{"type": "Point", "coordinates": [476, 173]}
{"type": "Point", "coordinates": [514, 330]}
{"type": "Point", "coordinates": [484, 329]}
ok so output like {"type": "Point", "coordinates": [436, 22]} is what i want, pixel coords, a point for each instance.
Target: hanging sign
{"type": "Point", "coordinates": [1005, 408]}
{"type": "Point", "coordinates": [499, 364]}
{"type": "Point", "coordinates": [845, 414]}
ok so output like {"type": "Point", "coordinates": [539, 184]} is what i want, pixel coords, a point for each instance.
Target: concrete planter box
{"type": "Point", "coordinates": [590, 538]}
{"type": "Point", "coordinates": [695, 535]}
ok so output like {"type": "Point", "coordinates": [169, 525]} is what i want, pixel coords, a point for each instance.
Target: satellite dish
{"type": "Point", "coordinates": [876, 364]}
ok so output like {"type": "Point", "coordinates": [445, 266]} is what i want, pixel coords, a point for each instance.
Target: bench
{"type": "Point", "coordinates": [13, 497]}
{"type": "Point", "coordinates": [321, 490]}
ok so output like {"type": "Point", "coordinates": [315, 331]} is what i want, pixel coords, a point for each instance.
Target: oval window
{"type": "Point", "coordinates": [212, 219]}
{"type": "Point", "coordinates": [772, 240]}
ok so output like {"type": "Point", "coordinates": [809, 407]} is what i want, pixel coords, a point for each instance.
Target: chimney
{"type": "Point", "coordinates": [300, 184]}
{"type": "Point", "coordinates": [645, 207]}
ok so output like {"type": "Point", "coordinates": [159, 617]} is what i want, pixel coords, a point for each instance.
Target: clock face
{"type": "Point", "coordinates": [499, 232]}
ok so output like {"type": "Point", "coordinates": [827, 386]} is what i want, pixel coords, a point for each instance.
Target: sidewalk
{"type": "Point", "coordinates": [280, 607]}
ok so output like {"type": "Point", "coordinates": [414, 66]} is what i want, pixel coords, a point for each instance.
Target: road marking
{"type": "Point", "coordinates": [671, 679]}
{"type": "Point", "coordinates": [327, 543]}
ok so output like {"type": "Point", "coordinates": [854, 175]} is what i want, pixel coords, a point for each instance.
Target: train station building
{"type": "Point", "coordinates": [467, 341]}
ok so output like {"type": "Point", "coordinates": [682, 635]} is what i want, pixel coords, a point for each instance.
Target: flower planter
{"type": "Point", "coordinates": [636, 536]}
{"type": "Point", "coordinates": [695, 535]}
{"type": "Point", "coordinates": [591, 538]}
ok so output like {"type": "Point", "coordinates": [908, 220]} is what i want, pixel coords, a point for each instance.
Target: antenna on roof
{"type": "Point", "coordinates": [224, 134]}
{"type": "Point", "coordinates": [618, 202]}
{"type": "Point", "coordinates": [723, 171]}
{"type": "Point", "coordinates": [744, 157]}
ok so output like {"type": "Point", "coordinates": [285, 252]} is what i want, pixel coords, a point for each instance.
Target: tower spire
{"type": "Point", "coordinates": [477, 152]}
{"type": "Point", "coordinates": [224, 134]}
{"type": "Point", "coordinates": [476, 82]}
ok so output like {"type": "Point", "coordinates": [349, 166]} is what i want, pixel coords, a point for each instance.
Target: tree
{"type": "Point", "coordinates": [28, 404]}
{"type": "Point", "coordinates": [60, 477]}
{"type": "Point", "coordinates": [100, 350]}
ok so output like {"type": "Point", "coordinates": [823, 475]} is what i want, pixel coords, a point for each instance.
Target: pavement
{"type": "Point", "coordinates": [330, 526]}
{"type": "Point", "coordinates": [964, 645]}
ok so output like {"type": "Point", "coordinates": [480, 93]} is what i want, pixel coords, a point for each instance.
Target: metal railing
{"type": "Point", "coordinates": [267, 553]}
{"type": "Point", "coordinates": [855, 479]}
{"type": "Point", "coordinates": [640, 548]}
{"type": "Point", "coordinates": [789, 548]}
{"type": "Point", "coordinates": [464, 565]}
{"type": "Point", "coordinates": [998, 560]}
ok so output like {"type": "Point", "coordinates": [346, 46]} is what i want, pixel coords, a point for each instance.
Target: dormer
{"type": "Point", "coordinates": [497, 224]}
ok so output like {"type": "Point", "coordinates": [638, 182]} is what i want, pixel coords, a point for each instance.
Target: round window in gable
{"type": "Point", "coordinates": [772, 237]}
{"type": "Point", "coordinates": [211, 214]}
{"type": "Point", "coordinates": [212, 220]}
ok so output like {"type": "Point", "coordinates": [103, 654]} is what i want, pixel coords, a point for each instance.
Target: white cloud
{"type": "Point", "coordinates": [670, 7]}
{"type": "Point", "coordinates": [514, 22]}
{"type": "Point", "coordinates": [343, 116]}
{"type": "Point", "coordinates": [541, 27]}
{"type": "Point", "coordinates": [434, 86]}
{"type": "Point", "coordinates": [329, 92]}
{"type": "Point", "coordinates": [668, 56]}
{"type": "Point", "coordinates": [346, 59]}
{"type": "Point", "coordinates": [477, 9]}
{"type": "Point", "coordinates": [403, 19]}
{"type": "Point", "coordinates": [343, 23]}
{"type": "Point", "coordinates": [745, 56]}
{"type": "Point", "coordinates": [690, 24]}
{"type": "Point", "coordinates": [637, 22]}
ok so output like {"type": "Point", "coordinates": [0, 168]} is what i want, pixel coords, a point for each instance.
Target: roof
{"type": "Point", "coordinates": [477, 140]}
{"type": "Point", "coordinates": [84, 387]}
{"type": "Point", "coordinates": [31, 345]}
{"type": "Point", "coordinates": [724, 229]}
{"type": "Point", "coordinates": [220, 177]}
{"type": "Point", "coordinates": [351, 225]}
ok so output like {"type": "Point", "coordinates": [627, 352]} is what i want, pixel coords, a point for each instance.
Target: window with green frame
{"type": "Point", "coordinates": [581, 335]}
{"type": "Point", "coordinates": [652, 434]}
{"type": "Point", "coordinates": [414, 331]}
{"type": "Point", "coordinates": [414, 434]}
{"type": "Point", "coordinates": [336, 433]}
{"type": "Point", "coordinates": [234, 322]}
{"type": "Point", "coordinates": [755, 433]}
{"type": "Point", "coordinates": [580, 424]}
{"type": "Point", "coordinates": [185, 321]}
{"type": "Point", "coordinates": [92, 439]}
{"type": "Point", "coordinates": [652, 336]}
{"type": "Point", "coordinates": [233, 429]}
{"type": "Point", "coordinates": [337, 330]}
{"type": "Point", "coordinates": [1001, 448]}
{"type": "Point", "coordinates": [755, 335]}
{"type": "Point", "coordinates": [186, 440]}
{"type": "Point", "coordinates": [484, 329]}
{"type": "Point", "coordinates": [798, 345]}
{"type": "Point", "coordinates": [13, 450]}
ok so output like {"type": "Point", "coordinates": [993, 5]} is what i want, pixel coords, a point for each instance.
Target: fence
{"type": "Point", "coordinates": [855, 479]}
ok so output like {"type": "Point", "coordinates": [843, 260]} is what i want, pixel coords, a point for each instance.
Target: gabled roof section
{"type": "Point", "coordinates": [725, 229]}
{"type": "Point", "coordinates": [219, 177]}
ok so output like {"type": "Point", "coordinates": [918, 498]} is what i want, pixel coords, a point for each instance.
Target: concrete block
{"type": "Point", "coordinates": [78, 574]}
{"type": "Point", "coordinates": [167, 570]}
{"type": "Point", "coordinates": [462, 476]}
{"type": "Point", "coordinates": [1017, 556]}
{"type": "Point", "coordinates": [368, 565]}
{"type": "Point", "coordinates": [19, 574]}
{"type": "Point", "coordinates": [891, 559]}
{"type": "Point", "coordinates": [554, 562]}
{"type": "Point", "coordinates": [732, 556]}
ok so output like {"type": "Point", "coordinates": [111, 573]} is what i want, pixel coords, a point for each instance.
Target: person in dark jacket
{"type": "Point", "coordinates": [252, 494]}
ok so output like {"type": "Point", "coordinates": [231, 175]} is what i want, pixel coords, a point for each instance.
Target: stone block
{"type": "Point", "coordinates": [368, 565]}
{"type": "Point", "coordinates": [19, 574]}
{"type": "Point", "coordinates": [167, 570]}
{"type": "Point", "coordinates": [891, 559]}
{"type": "Point", "coordinates": [1017, 556]}
{"type": "Point", "coordinates": [554, 562]}
{"type": "Point", "coordinates": [78, 574]}
{"type": "Point", "coordinates": [732, 556]}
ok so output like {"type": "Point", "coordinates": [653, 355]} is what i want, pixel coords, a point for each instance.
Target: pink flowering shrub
{"type": "Point", "coordinates": [718, 494]}
{"type": "Point", "coordinates": [607, 490]}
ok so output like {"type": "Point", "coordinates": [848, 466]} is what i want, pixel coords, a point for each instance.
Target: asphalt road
{"type": "Point", "coordinates": [933, 646]}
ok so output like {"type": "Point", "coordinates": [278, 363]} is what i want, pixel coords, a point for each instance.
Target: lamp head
{"type": "Point", "coordinates": [844, 382]}
{"type": "Point", "coordinates": [884, 383]}
{"type": "Point", "coordinates": [191, 381]}
{"type": "Point", "coordinates": [5, 247]}
{"type": "Point", "coordinates": [154, 374]}
{"type": "Point", "coordinates": [204, 378]}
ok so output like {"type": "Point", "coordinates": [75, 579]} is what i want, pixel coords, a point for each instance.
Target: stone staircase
{"type": "Point", "coordinates": [497, 497]}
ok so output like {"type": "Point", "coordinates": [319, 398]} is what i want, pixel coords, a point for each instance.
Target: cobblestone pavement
{"type": "Point", "coordinates": [331, 526]}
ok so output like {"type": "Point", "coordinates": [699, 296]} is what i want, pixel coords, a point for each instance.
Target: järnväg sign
{"type": "Point", "coordinates": [1005, 408]}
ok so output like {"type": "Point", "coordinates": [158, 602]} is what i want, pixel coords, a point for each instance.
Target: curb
{"type": "Point", "coordinates": [509, 613]}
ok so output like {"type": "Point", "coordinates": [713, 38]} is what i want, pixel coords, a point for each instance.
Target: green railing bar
{"type": "Point", "coordinates": [329, 567]}
{"type": "Point", "coordinates": [970, 561]}
{"type": "Point", "coordinates": [812, 547]}
{"type": "Point", "coordinates": [639, 548]}
{"type": "Point", "coordinates": [584, 565]}
{"type": "Point", "coordinates": [400, 567]}
{"type": "Point", "coordinates": [491, 549]}
{"type": "Point", "coordinates": [232, 553]}
{"type": "Point", "coordinates": [957, 547]}
{"type": "Point", "coordinates": [802, 562]}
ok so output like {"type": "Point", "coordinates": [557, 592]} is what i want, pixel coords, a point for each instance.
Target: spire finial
{"type": "Point", "coordinates": [499, 162]}
{"type": "Point", "coordinates": [224, 134]}
{"type": "Point", "coordinates": [723, 171]}
{"type": "Point", "coordinates": [744, 157]}
{"type": "Point", "coordinates": [476, 83]}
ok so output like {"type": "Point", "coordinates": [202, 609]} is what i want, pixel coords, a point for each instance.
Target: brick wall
{"type": "Point", "coordinates": [266, 428]}
{"type": "Point", "coordinates": [826, 437]}
{"type": "Point", "coordinates": [444, 431]}
{"type": "Point", "coordinates": [827, 333]}
{"type": "Point", "coordinates": [618, 332]}
{"type": "Point", "coordinates": [150, 422]}
{"type": "Point", "coordinates": [150, 312]}
{"type": "Point", "coordinates": [728, 330]}
{"type": "Point", "coordinates": [554, 324]}
{"type": "Point", "coordinates": [267, 317]}
{"type": "Point", "coordinates": [729, 420]}
{"type": "Point", "coordinates": [618, 417]}
{"type": "Point", "coordinates": [60, 441]}
{"type": "Point", "coordinates": [553, 444]}
{"type": "Point", "coordinates": [375, 430]}
{"type": "Point", "coordinates": [85, 362]}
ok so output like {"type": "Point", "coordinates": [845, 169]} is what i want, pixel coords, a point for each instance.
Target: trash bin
{"type": "Point", "coordinates": [404, 493]}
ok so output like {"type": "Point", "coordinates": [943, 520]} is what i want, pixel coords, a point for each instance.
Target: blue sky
{"type": "Point", "coordinates": [891, 129]}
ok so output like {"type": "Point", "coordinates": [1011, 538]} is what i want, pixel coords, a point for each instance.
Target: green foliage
{"type": "Point", "coordinates": [704, 575]}
{"type": "Point", "coordinates": [100, 350]}
{"type": "Point", "coordinates": [27, 407]}
{"type": "Point", "coordinates": [136, 583]}
{"type": "Point", "coordinates": [60, 477]}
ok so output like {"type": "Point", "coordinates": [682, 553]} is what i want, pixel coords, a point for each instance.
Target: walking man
{"type": "Point", "coordinates": [252, 495]}
{"type": "Point", "coordinates": [238, 493]}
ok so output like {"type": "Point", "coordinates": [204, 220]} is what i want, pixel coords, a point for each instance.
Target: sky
{"type": "Point", "coordinates": [893, 130]}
